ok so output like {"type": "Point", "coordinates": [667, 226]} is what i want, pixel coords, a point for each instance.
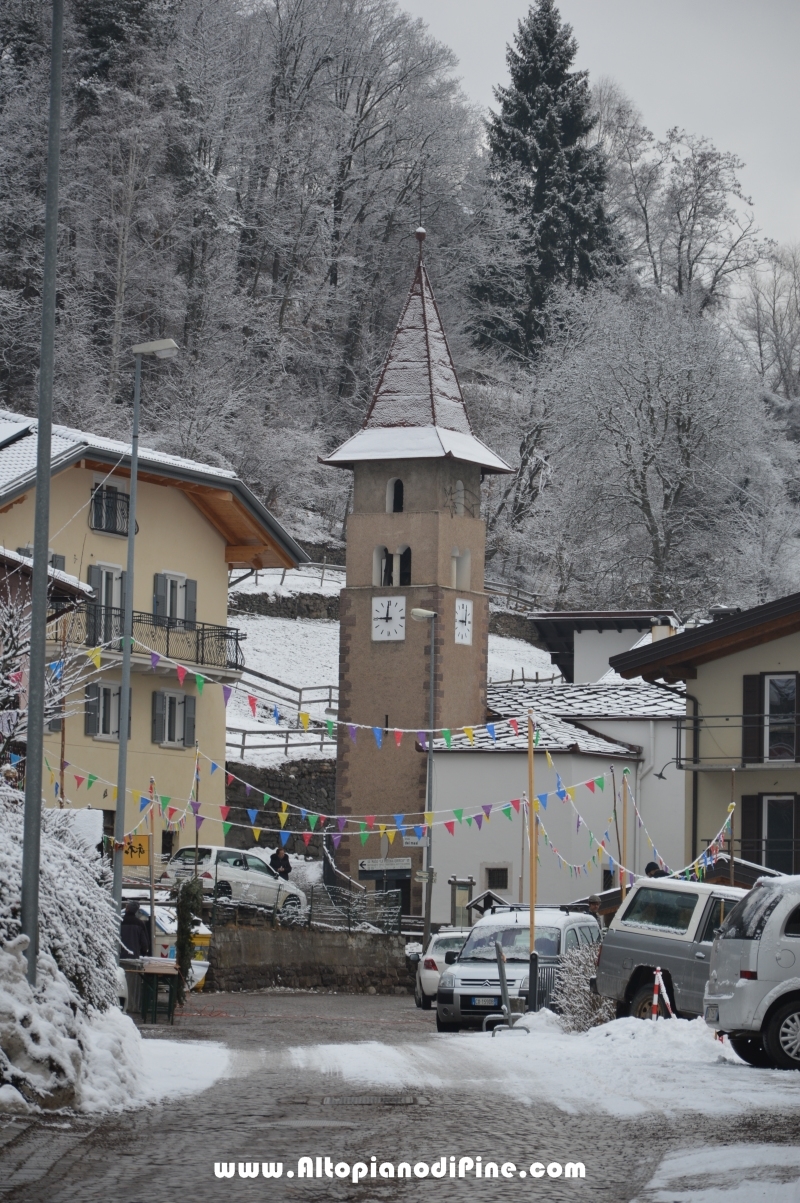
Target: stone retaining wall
{"type": "Point", "coordinates": [296, 605]}
{"type": "Point", "coordinates": [251, 954]}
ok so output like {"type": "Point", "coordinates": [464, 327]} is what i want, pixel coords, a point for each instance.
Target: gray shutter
{"type": "Point", "coordinates": [91, 710]}
{"type": "Point", "coordinates": [752, 720]}
{"type": "Point", "coordinates": [189, 707]}
{"type": "Point", "coordinates": [123, 592]}
{"type": "Point", "coordinates": [93, 619]}
{"type": "Point", "coordinates": [190, 603]}
{"type": "Point", "coordinates": [752, 846]}
{"type": "Point", "coordinates": [158, 717]}
{"type": "Point", "coordinates": [160, 595]}
{"type": "Point", "coordinates": [59, 563]}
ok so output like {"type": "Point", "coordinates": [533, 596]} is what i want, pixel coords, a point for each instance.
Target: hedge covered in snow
{"type": "Point", "coordinates": [577, 1008]}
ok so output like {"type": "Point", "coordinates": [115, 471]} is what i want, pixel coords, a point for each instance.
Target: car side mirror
{"type": "Point", "coordinates": [450, 958]}
{"type": "Point", "coordinates": [414, 958]}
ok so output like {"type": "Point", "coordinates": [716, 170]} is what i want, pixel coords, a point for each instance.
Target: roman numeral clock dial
{"type": "Point", "coordinates": [388, 619]}
{"type": "Point", "coordinates": [463, 620]}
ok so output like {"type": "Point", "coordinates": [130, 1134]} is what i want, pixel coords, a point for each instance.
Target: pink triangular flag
{"type": "Point", "coordinates": [251, 702]}
{"type": "Point", "coordinates": [181, 671]}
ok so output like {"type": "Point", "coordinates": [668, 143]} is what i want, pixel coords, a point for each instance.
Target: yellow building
{"type": "Point", "coordinates": [194, 524]}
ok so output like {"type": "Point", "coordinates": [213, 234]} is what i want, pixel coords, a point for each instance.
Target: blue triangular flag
{"type": "Point", "coordinates": [275, 714]}
{"type": "Point", "coordinates": [490, 729]}
{"type": "Point", "coordinates": [284, 837]}
{"type": "Point", "coordinates": [418, 832]}
{"type": "Point", "coordinates": [214, 766]}
{"type": "Point", "coordinates": [143, 802]}
{"type": "Point", "coordinates": [543, 799]}
{"type": "Point", "coordinates": [378, 733]}
{"type": "Point", "coordinates": [398, 819]}
{"type": "Point", "coordinates": [253, 816]}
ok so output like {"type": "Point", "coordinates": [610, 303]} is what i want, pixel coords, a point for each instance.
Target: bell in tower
{"type": "Point", "coordinates": [415, 541]}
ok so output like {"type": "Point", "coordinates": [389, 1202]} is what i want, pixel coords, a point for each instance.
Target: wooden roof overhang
{"type": "Point", "coordinates": [253, 539]}
{"type": "Point", "coordinates": [677, 658]}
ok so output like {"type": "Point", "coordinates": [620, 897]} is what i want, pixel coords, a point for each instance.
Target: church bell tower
{"type": "Point", "coordinates": [415, 539]}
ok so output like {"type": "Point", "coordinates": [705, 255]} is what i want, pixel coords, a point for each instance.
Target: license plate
{"type": "Point", "coordinates": [484, 1002]}
{"type": "Point", "coordinates": [712, 1014]}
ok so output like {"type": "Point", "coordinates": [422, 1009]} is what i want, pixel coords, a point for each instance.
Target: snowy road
{"type": "Point", "coordinates": [301, 1082]}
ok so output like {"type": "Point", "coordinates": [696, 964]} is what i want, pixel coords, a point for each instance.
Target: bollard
{"type": "Point", "coordinates": [533, 983]}
{"type": "Point", "coordinates": [654, 1010]}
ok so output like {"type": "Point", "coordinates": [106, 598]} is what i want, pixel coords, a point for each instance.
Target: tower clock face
{"type": "Point", "coordinates": [463, 620]}
{"type": "Point", "coordinates": [388, 618]}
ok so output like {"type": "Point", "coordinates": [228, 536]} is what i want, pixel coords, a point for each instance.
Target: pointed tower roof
{"type": "Point", "coordinates": [417, 409]}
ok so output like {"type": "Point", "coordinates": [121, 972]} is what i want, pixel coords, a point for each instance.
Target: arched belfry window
{"type": "Point", "coordinates": [394, 496]}
{"type": "Point", "coordinates": [459, 497]}
{"type": "Point", "coordinates": [382, 567]}
{"type": "Point", "coordinates": [405, 566]}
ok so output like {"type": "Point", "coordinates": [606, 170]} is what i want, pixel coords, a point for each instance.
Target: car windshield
{"type": "Point", "coordinates": [514, 941]}
{"type": "Point", "coordinates": [662, 910]}
{"type": "Point", "coordinates": [186, 855]}
{"type": "Point", "coordinates": [746, 920]}
{"type": "Point", "coordinates": [447, 943]}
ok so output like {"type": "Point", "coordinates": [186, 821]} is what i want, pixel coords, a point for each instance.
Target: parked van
{"type": "Point", "coordinates": [668, 924]}
{"type": "Point", "coordinates": [753, 991]}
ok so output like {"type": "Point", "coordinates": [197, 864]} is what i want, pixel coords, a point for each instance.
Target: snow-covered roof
{"type": "Point", "coordinates": [596, 700]}
{"type": "Point", "coordinates": [417, 410]}
{"type": "Point", "coordinates": [415, 442]}
{"type": "Point", "coordinates": [555, 735]}
{"type": "Point", "coordinates": [18, 439]}
{"type": "Point", "coordinates": [62, 579]}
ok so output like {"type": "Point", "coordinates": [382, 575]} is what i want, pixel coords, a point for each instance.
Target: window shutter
{"type": "Point", "coordinates": [58, 562]}
{"type": "Point", "coordinates": [752, 720]}
{"type": "Point", "coordinates": [160, 595]}
{"type": "Point", "coordinates": [123, 593]}
{"type": "Point", "coordinates": [91, 710]}
{"type": "Point", "coordinates": [189, 706]}
{"type": "Point", "coordinates": [95, 578]}
{"type": "Point", "coordinates": [158, 727]}
{"type": "Point", "coordinates": [751, 828]}
{"type": "Point", "coordinates": [190, 603]}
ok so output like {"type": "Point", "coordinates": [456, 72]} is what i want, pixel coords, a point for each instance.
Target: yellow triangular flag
{"type": "Point", "coordinates": [391, 834]}
{"type": "Point", "coordinates": [284, 807]}
{"type": "Point", "coordinates": [282, 817]}
{"type": "Point", "coordinates": [304, 719]}
{"type": "Point", "coordinates": [549, 758]}
{"type": "Point", "coordinates": [429, 817]}
{"type": "Point", "coordinates": [571, 792]}
{"type": "Point", "coordinates": [52, 778]}
{"type": "Point", "coordinates": [94, 656]}
{"type": "Point", "coordinates": [136, 794]}
{"type": "Point", "coordinates": [470, 734]}
{"type": "Point", "coordinates": [256, 833]}
{"type": "Point", "coordinates": [381, 829]}
{"type": "Point", "coordinates": [114, 794]}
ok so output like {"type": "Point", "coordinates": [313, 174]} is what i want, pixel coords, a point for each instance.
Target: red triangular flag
{"type": "Point", "coordinates": [171, 810]}
{"type": "Point", "coordinates": [514, 725]}
{"type": "Point", "coordinates": [589, 785]}
{"type": "Point", "coordinates": [223, 810]}
{"type": "Point", "coordinates": [515, 803]}
{"type": "Point", "coordinates": [306, 838]}
{"type": "Point", "coordinates": [79, 781]}
{"type": "Point", "coordinates": [230, 778]}
{"type": "Point", "coordinates": [398, 737]}
{"type": "Point", "coordinates": [451, 827]}
{"type": "Point", "coordinates": [181, 671]}
{"type": "Point", "coordinates": [251, 701]}
{"type": "Point", "coordinates": [370, 821]}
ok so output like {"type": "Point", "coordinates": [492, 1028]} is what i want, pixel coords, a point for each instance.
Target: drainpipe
{"type": "Point", "coordinates": [695, 760]}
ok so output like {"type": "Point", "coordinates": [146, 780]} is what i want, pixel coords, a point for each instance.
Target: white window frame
{"type": "Point", "coordinates": [179, 579]}
{"type": "Point", "coordinates": [768, 677]}
{"type": "Point", "coordinates": [116, 593]}
{"type": "Point", "coordinates": [173, 696]}
{"type": "Point", "coordinates": [102, 481]}
{"type": "Point", "coordinates": [109, 692]}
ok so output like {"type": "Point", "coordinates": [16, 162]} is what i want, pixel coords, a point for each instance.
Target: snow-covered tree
{"type": "Point", "coordinates": [577, 1008]}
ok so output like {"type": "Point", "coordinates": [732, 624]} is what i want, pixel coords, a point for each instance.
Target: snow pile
{"type": "Point", "coordinates": [737, 1173]}
{"type": "Point", "coordinates": [327, 582]}
{"type": "Point", "coordinates": [627, 1067]}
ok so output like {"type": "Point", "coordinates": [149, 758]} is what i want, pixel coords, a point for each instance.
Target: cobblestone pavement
{"type": "Point", "coordinates": [166, 1153]}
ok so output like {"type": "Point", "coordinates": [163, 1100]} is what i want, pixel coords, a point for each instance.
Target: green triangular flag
{"type": "Point", "coordinates": [448, 738]}
{"type": "Point", "coordinates": [536, 738]}
{"type": "Point", "coordinates": [507, 811]}
{"type": "Point", "coordinates": [312, 821]}
{"type": "Point", "coordinates": [469, 820]}
{"type": "Point", "coordinates": [164, 804]}
{"type": "Point", "coordinates": [266, 799]}
{"type": "Point", "coordinates": [458, 814]}
{"type": "Point", "coordinates": [90, 780]}
{"type": "Point", "coordinates": [226, 828]}
{"type": "Point", "coordinates": [329, 725]}
{"type": "Point", "coordinates": [363, 833]}
{"type": "Point", "coordinates": [199, 682]}
{"type": "Point", "coordinates": [600, 782]}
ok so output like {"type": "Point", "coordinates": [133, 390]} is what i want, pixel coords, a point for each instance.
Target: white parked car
{"type": "Point", "coordinates": [430, 964]}
{"type": "Point", "coordinates": [753, 990]}
{"type": "Point", "coordinates": [240, 876]}
{"type": "Point", "coordinates": [469, 989]}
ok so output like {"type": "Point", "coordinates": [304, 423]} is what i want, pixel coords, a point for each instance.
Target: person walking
{"type": "Point", "coordinates": [280, 862]}
{"type": "Point", "coordinates": [134, 933]}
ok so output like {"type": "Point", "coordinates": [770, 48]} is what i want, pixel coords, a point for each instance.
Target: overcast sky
{"type": "Point", "coordinates": [727, 69]}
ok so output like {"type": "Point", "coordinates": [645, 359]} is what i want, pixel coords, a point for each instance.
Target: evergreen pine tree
{"type": "Point", "coordinates": [549, 178]}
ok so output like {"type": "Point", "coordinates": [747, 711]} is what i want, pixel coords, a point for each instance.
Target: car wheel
{"type": "Point", "coordinates": [291, 906]}
{"type": "Point", "coordinates": [223, 889]}
{"type": "Point", "coordinates": [426, 1002]}
{"type": "Point", "coordinates": [417, 999]}
{"type": "Point", "coordinates": [782, 1037]}
{"type": "Point", "coordinates": [751, 1049]}
{"type": "Point", "coordinates": [441, 1026]}
{"type": "Point", "coordinates": [642, 1003]}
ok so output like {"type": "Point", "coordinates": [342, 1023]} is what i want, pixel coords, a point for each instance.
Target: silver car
{"type": "Point", "coordinates": [667, 924]}
{"type": "Point", "coordinates": [231, 873]}
{"type": "Point", "coordinates": [753, 991]}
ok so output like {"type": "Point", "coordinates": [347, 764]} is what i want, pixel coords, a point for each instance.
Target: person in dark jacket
{"type": "Point", "coordinates": [654, 870]}
{"type": "Point", "coordinates": [134, 933]}
{"type": "Point", "coordinates": [280, 862]}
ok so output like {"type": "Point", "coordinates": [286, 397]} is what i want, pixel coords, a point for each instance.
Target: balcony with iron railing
{"type": "Point", "coordinates": [722, 742]}
{"type": "Point", "coordinates": [109, 510]}
{"type": "Point", "coordinates": [201, 643]}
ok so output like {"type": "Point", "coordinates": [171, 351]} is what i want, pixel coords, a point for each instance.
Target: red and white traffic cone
{"type": "Point", "coordinates": [656, 983]}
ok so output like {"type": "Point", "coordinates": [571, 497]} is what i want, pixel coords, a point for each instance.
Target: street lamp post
{"type": "Point", "coordinates": [162, 348]}
{"type": "Point", "coordinates": [420, 615]}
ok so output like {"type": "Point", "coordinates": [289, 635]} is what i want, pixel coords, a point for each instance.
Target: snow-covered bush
{"type": "Point", "coordinates": [577, 1008]}
{"type": "Point", "coordinates": [77, 924]}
